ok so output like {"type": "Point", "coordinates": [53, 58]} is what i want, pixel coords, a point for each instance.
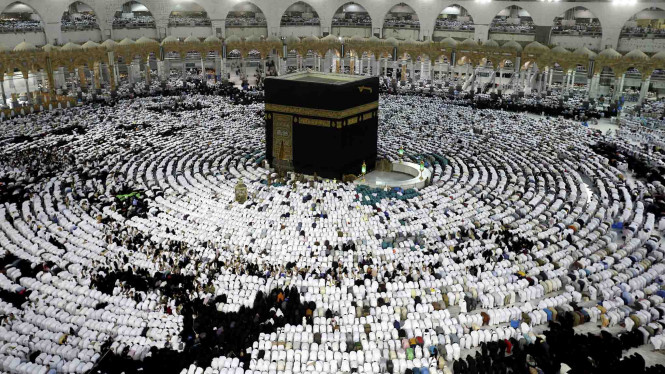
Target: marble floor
{"type": "Point", "coordinates": [605, 124]}
{"type": "Point", "coordinates": [385, 178]}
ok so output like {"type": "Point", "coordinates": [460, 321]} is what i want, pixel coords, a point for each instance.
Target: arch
{"type": "Point", "coordinates": [401, 16]}
{"type": "Point", "coordinates": [634, 70]}
{"type": "Point", "coordinates": [507, 63]}
{"type": "Point", "coordinates": [133, 14]}
{"type": "Point", "coordinates": [245, 13]}
{"type": "Point", "coordinates": [188, 14]}
{"type": "Point", "coordinates": [512, 20]}
{"type": "Point", "coordinates": [454, 17]}
{"type": "Point", "coordinates": [79, 16]}
{"type": "Point", "coordinates": [577, 20]}
{"type": "Point", "coordinates": [486, 62]}
{"type": "Point", "coordinates": [20, 17]}
{"type": "Point", "coordinates": [300, 13]}
{"type": "Point", "coordinates": [644, 23]}
{"type": "Point", "coordinates": [352, 15]}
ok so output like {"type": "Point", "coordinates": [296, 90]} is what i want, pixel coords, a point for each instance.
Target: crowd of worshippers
{"type": "Point", "coordinates": [124, 251]}
{"type": "Point", "coordinates": [201, 20]}
{"type": "Point", "coordinates": [133, 22]}
{"type": "Point", "coordinates": [584, 28]}
{"type": "Point", "coordinates": [351, 19]}
{"type": "Point", "coordinates": [525, 25]}
{"type": "Point", "coordinates": [295, 19]}
{"type": "Point", "coordinates": [79, 21]}
{"type": "Point", "coordinates": [15, 25]}
{"type": "Point", "coordinates": [401, 21]}
{"type": "Point", "coordinates": [643, 31]}
{"type": "Point", "coordinates": [573, 105]}
{"type": "Point", "coordinates": [650, 113]}
{"type": "Point", "coordinates": [454, 24]}
{"type": "Point", "coordinates": [236, 21]}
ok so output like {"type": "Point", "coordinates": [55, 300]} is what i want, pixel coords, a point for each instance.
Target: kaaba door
{"type": "Point", "coordinates": [282, 135]}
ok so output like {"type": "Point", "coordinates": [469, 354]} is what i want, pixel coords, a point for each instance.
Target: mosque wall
{"type": "Point", "coordinates": [300, 31]}
{"type": "Point", "coordinates": [574, 42]}
{"type": "Point", "coordinates": [36, 38]}
{"type": "Point", "coordinates": [365, 32]}
{"type": "Point", "coordinates": [80, 37]}
{"type": "Point", "coordinates": [184, 32]}
{"type": "Point", "coordinates": [611, 16]}
{"type": "Point", "coordinates": [523, 38]}
{"type": "Point", "coordinates": [244, 32]}
{"type": "Point", "coordinates": [458, 35]}
{"type": "Point", "coordinates": [402, 34]}
{"type": "Point", "coordinates": [645, 45]}
{"type": "Point", "coordinates": [120, 34]}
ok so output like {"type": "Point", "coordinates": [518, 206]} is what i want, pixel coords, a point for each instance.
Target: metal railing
{"type": "Point", "coordinates": [401, 26]}
{"type": "Point", "coordinates": [134, 25]}
{"type": "Point", "coordinates": [291, 23]}
{"type": "Point", "coordinates": [351, 24]}
{"type": "Point", "coordinates": [92, 26]}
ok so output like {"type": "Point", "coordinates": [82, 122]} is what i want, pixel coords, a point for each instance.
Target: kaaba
{"type": "Point", "coordinates": [321, 123]}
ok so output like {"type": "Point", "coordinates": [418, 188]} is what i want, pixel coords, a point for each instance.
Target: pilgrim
{"type": "Point", "coordinates": [536, 245]}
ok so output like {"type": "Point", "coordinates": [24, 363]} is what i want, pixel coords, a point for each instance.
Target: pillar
{"type": "Point", "coordinates": [218, 66]}
{"type": "Point", "coordinates": [644, 88]}
{"type": "Point", "coordinates": [595, 82]}
{"type": "Point", "coordinates": [161, 66]}
{"type": "Point", "coordinates": [12, 86]}
{"type": "Point", "coordinates": [148, 71]}
{"type": "Point", "coordinates": [618, 90]}
{"type": "Point", "coordinates": [2, 88]}
{"type": "Point", "coordinates": [27, 87]}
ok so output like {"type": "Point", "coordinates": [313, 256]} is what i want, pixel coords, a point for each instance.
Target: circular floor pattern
{"type": "Point", "coordinates": [515, 227]}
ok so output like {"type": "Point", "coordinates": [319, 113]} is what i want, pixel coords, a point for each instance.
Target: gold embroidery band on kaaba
{"type": "Point", "coordinates": [322, 113]}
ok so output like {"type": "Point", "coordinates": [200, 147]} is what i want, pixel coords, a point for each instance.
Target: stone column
{"type": "Point", "coordinates": [93, 81]}
{"type": "Point", "coordinates": [83, 83]}
{"type": "Point", "coordinates": [148, 70]}
{"type": "Point", "coordinates": [12, 86]}
{"type": "Point", "coordinates": [27, 87]}
{"type": "Point", "coordinates": [618, 89]}
{"type": "Point", "coordinates": [161, 67]}
{"type": "Point", "coordinates": [2, 88]}
{"type": "Point", "coordinates": [644, 88]}
{"type": "Point", "coordinates": [595, 82]}
{"type": "Point", "coordinates": [218, 66]}
{"type": "Point", "coordinates": [203, 69]}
